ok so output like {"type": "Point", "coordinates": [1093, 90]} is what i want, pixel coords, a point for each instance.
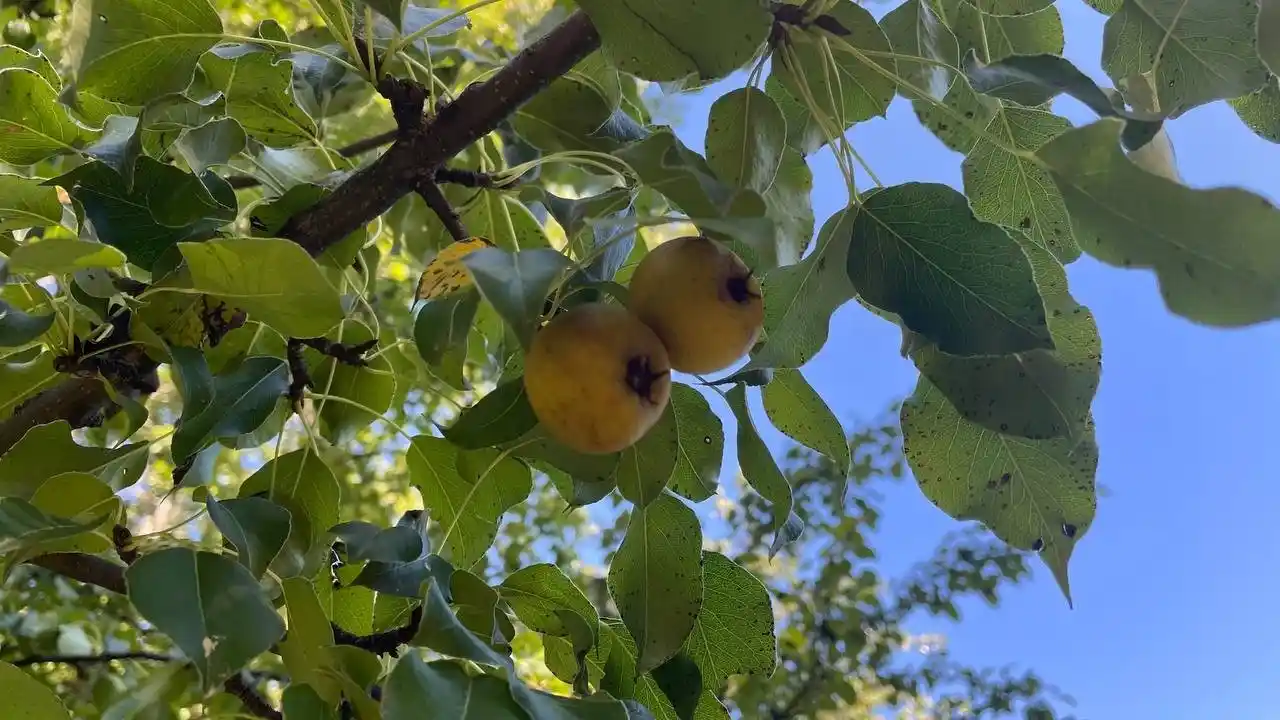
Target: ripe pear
{"type": "Point", "coordinates": [597, 378]}
{"type": "Point", "coordinates": [701, 300]}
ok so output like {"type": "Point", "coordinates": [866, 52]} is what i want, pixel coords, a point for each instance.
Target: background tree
{"type": "Point", "coordinates": [220, 380]}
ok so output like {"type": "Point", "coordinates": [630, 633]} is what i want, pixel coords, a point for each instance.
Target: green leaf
{"type": "Point", "coordinates": [540, 594]}
{"type": "Point", "coordinates": [1196, 51]}
{"type": "Point", "coordinates": [301, 701]}
{"type": "Point", "coordinates": [273, 279]}
{"type": "Point", "coordinates": [372, 385]}
{"type": "Point", "coordinates": [208, 604]}
{"type": "Point", "coordinates": [915, 30]}
{"type": "Point", "coordinates": [516, 285]}
{"type": "Point", "coordinates": [440, 630]}
{"type": "Point", "coordinates": [795, 408]}
{"type": "Point", "coordinates": [18, 328]}
{"type": "Point", "coordinates": [804, 135]}
{"type": "Point", "coordinates": [682, 175]}
{"type": "Point", "coordinates": [478, 609]}
{"type": "Point", "coordinates": [569, 665]}
{"type": "Point", "coordinates": [1106, 7]}
{"type": "Point", "coordinates": [49, 450]}
{"type": "Point", "coordinates": [1212, 250]}
{"type": "Point", "coordinates": [21, 380]}
{"type": "Point", "coordinates": [22, 524]}
{"type": "Point", "coordinates": [304, 485]}
{"type": "Point", "coordinates": [305, 649]}
{"type": "Point", "coordinates": [646, 467]}
{"type": "Point", "coordinates": [1269, 34]}
{"type": "Point", "coordinates": [995, 37]}
{"type": "Point", "coordinates": [502, 416]}
{"type": "Point", "coordinates": [440, 330]}
{"type": "Point", "coordinates": [256, 527]}
{"type": "Point", "coordinates": [701, 451]}
{"type": "Point", "coordinates": [466, 492]}
{"type": "Point", "coordinates": [505, 221]}
{"type": "Point", "coordinates": [242, 401]}
{"type": "Point", "coordinates": [845, 85]}
{"type": "Point", "coordinates": [668, 39]}
{"type": "Point", "coordinates": [789, 204]}
{"type": "Point", "coordinates": [33, 126]}
{"type": "Point", "coordinates": [1013, 190]}
{"type": "Point", "coordinates": [211, 144]}
{"type": "Point", "coordinates": [58, 256]}
{"type": "Point", "coordinates": [27, 203]}
{"type": "Point", "coordinates": [164, 207]}
{"type": "Point", "coordinates": [1033, 494]}
{"type": "Point", "coordinates": [734, 633]}
{"type": "Point", "coordinates": [392, 10]}
{"type": "Point", "coordinates": [961, 101]}
{"type": "Point", "coordinates": [917, 251]}
{"type": "Point", "coordinates": [746, 135]}
{"type": "Point", "coordinates": [131, 51]}
{"type": "Point", "coordinates": [120, 146]}
{"type": "Point", "coordinates": [448, 689]}
{"type": "Point", "coordinates": [593, 476]}
{"type": "Point", "coordinates": [575, 110]}
{"type": "Point", "coordinates": [1259, 110]}
{"type": "Point", "coordinates": [259, 95]}
{"type": "Point", "coordinates": [761, 472]}
{"type": "Point", "coordinates": [28, 697]}
{"type": "Point", "coordinates": [680, 680]}
{"type": "Point", "coordinates": [800, 299]}
{"type": "Point", "coordinates": [11, 57]}
{"type": "Point", "coordinates": [79, 495]}
{"type": "Point", "coordinates": [656, 579]}
{"type": "Point", "coordinates": [1039, 394]}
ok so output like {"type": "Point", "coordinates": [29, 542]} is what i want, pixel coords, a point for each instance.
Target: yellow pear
{"type": "Point", "coordinates": [701, 300]}
{"type": "Point", "coordinates": [597, 378]}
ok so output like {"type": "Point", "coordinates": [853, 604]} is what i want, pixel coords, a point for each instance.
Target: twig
{"type": "Point", "coordinates": [439, 204]}
{"type": "Point", "coordinates": [465, 178]}
{"type": "Point", "coordinates": [92, 659]}
{"type": "Point", "coordinates": [85, 568]}
{"type": "Point", "coordinates": [252, 701]}
{"type": "Point", "coordinates": [383, 643]}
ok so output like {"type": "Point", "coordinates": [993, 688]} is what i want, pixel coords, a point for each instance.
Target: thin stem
{"type": "Point", "coordinates": [281, 44]}
{"type": "Point", "coordinates": [413, 36]}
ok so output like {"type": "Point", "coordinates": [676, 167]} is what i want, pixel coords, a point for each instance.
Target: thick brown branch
{"type": "Point", "coordinates": [476, 112]}
{"type": "Point", "coordinates": [383, 643]}
{"type": "Point", "coordinates": [85, 568]}
{"type": "Point", "coordinates": [439, 204]}
{"type": "Point", "coordinates": [252, 701]}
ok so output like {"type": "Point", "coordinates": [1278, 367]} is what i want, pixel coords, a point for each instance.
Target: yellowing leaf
{"type": "Point", "coordinates": [445, 274]}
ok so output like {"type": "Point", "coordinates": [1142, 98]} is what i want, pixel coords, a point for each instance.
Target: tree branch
{"type": "Point", "coordinates": [439, 204]}
{"type": "Point", "coordinates": [85, 568]}
{"type": "Point", "coordinates": [366, 195]}
{"type": "Point", "coordinates": [252, 701]}
{"type": "Point", "coordinates": [92, 659]}
{"type": "Point", "coordinates": [384, 643]}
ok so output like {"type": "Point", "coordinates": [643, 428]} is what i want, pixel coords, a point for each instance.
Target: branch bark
{"type": "Point", "coordinates": [88, 569]}
{"type": "Point", "coordinates": [414, 156]}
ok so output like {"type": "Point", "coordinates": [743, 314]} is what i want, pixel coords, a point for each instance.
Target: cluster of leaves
{"type": "Point", "coordinates": [166, 188]}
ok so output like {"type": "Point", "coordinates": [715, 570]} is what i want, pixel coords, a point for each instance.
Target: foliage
{"type": "Point", "coordinates": [220, 380]}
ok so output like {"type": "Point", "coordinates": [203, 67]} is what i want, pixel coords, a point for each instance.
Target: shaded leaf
{"type": "Point", "coordinates": [18, 328]}
{"type": "Point", "coordinates": [165, 206]}
{"type": "Point", "coordinates": [996, 37]}
{"type": "Point", "coordinates": [1033, 494]}
{"type": "Point", "coordinates": [656, 578]}
{"type": "Point", "coordinates": [502, 416]}
{"type": "Point", "coordinates": [800, 299]}
{"type": "Point", "coordinates": [915, 30]}
{"type": "Point", "coordinates": [440, 630]}
{"type": "Point", "coordinates": [790, 206]}
{"type": "Point", "coordinates": [22, 524]}
{"type": "Point", "coordinates": [273, 279]}
{"type": "Point", "coordinates": [1212, 250]}
{"type": "Point", "coordinates": [213, 143]}
{"type": "Point", "coordinates": [517, 284]}
{"type": "Point", "coordinates": [645, 467]}
{"type": "Point", "coordinates": [917, 251]}
{"type": "Point", "coordinates": [448, 689]}
{"type": "Point", "coordinates": [701, 444]}
{"type": "Point", "coordinates": [208, 604]}
{"type": "Point", "coordinates": [79, 495]}
{"type": "Point", "coordinates": [242, 401]}
{"type": "Point", "coordinates": [680, 679]}
{"type": "Point", "coordinates": [440, 330]}
{"type": "Point", "coordinates": [668, 39]}
{"type": "Point", "coordinates": [304, 485]}
{"type": "Point", "coordinates": [256, 527]}
{"type": "Point", "coordinates": [540, 594]}
{"type": "Point", "coordinates": [761, 472]}
{"type": "Point", "coordinates": [259, 93]}
{"type": "Point", "coordinates": [1196, 51]}
{"type": "Point", "coordinates": [467, 492]}
{"type": "Point", "coordinates": [131, 51]}
{"type": "Point", "coordinates": [795, 408]}
{"type": "Point", "coordinates": [745, 137]}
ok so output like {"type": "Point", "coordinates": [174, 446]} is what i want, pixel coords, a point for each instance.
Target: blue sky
{"type": "Point", "coordinates": [1175, 583]}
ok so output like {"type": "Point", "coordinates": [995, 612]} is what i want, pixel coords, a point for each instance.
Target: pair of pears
{"type": "Point", "coordinates": [599, 375]}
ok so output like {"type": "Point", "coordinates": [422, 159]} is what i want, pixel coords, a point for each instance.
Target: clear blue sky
{"type": "Point", "coordinates": [1176, 583]}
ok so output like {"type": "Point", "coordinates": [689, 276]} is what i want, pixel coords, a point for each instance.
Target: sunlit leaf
{"type": "Point", "coordinates": [22, 524]}
{"type": "Point", "coordinates": [33, 126]}
{"type": "Point", "coordinates": [516, 284]}
{"type": "Point", "coordinates": [746, 135]}
{"type": "Point", "coordinates": [211, 144]}
{"type": "Point", "coordinates": [49, 450]}
{"type": "Point", "coordinates": [915, 30]}
{"type": "Point", "coordinates": [446, 274]}
{"type": "Point", "coordinates": [79, 495]}
{"type": "Point", "coordinates": [499, 417]}
{"type": "Point", "coordinates": [795, 408]}
{"type": "Point", "coordinates": [27, 202]}
{"type": "Point", "coordinates": [63, 256]}
{"type": "Point", "coordinates": [256, 527]}
{"type": "Point", "coordinates": [762, 473]}
{"type": "Point", "coordinates": [701, 451]}
{"type": "Point", "coordinates": [30, 698]}
{"type": "Point", "coordinates": [734, 633]}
